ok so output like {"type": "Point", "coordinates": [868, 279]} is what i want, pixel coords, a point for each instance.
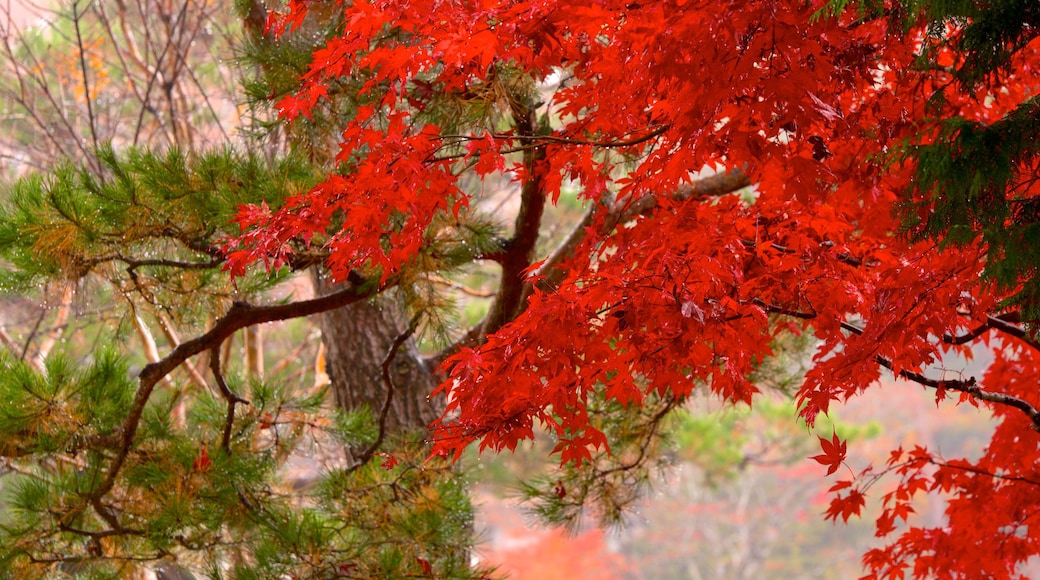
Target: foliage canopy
{"type": "Point", "coordinates": [892, 152]}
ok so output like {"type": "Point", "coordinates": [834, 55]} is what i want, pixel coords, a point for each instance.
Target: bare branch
{"type": "Point", "coordinates": [8, 342]}
{"type": "Point", "coordinates": [969, 386]}
{"type": "Point", "coordinates": [231, 398]}
{"type": "Point", "coordinates": [57, 328]}
{"type": "Point", "coordinates": [91, 120]}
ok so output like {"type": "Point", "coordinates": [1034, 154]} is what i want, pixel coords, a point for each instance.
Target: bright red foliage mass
{"type": "Point", "coordinates": [810, 106]}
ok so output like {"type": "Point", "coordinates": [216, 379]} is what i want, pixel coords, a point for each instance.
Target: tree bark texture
{"type": "Point", "coordinates": [357, 339]}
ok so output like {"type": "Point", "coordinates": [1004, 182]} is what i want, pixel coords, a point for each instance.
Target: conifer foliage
{"type": "Point", "coordinates": [878, 190]}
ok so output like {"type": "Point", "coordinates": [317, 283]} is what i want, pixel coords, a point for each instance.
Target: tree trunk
{"type": "Point", "coordinates": [357, 339]}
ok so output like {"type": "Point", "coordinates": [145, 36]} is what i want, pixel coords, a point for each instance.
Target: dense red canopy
{"type": "Point", "coordinates": [812, 107]}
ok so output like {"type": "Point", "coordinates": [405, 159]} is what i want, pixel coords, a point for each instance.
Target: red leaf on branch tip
{"type": "Point", "coordinates": [560, 490]}
{"type": "Point", "coordinates": [833, 453]}
{"type": "Point", "coordinates": [202, 461]}
{"type": "Point", "coordinates": [843, 484]}
{"type": "Point", "coordinates": [846, 506]}
{"type": "Point", "coordinates": [389, 461]}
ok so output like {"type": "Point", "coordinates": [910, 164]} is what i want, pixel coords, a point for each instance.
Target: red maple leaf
{"type": "Point", "coordinates": [833, 453]}
{"type": "Point", "coordinates": [846, 506]}
{"type": "Point", "coordinates": [389, 461]}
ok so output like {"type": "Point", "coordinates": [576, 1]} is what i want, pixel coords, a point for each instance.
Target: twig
{"type": "Point", "coordinates": [969, 386]}
{"type": "Point", "coordinates": [57, 328]}
{"type": "Point", "coordinates": [388, 382]}
{"type": "Point", "coordinates": [91, 121]}
{"type": "Point", "coordinates": [231, 398]}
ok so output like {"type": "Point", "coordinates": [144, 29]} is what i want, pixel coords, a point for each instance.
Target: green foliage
{"type": "Point", "coordinates": [63, 409]}
{"type": "Point", "coordinates": [967, 173]}
{"type": "Point", "coordinates": [183, 496]}
{"type": "Point", "coordinates": [147, 225]}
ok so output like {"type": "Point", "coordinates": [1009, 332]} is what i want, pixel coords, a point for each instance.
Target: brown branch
{"type": "Point", "coordinates": [969, 386]}
{"type": "Point", "coordinates": [231, 398]}
{"type": "Point", "coordinates": [57, 329]}
{"type": "Point", "coordinates": [843, 257]}
{"type": "Point", "coordinates": [91, 120]}
{"type": "Point", "coordinates": [550, 272]}
{"type": "Point", "coordinates": [977, 471]}
{"type": "Point", "coordinates": [296, 355]}
{"type": "Point", "coordinates": [174, 340]}
{"type": "Point", "coordinates": [240, 315]}
{"type": "Point", "coordinates": [543, 139]}
{"type": "Point", "coordinates": [774, 309]}
{"type": "Point", "coordinates": [519, 249]}
{"type": "Point", "coordinates": [461, 287]}
{"type": "Point", "coordinates": [8, 342]}
{"type": "Point", "coordinates": [655, 424]}
{"type": "Point", "coordinates": [1004, 323]}
{"type": "Point", "coordinates": [968, 337]}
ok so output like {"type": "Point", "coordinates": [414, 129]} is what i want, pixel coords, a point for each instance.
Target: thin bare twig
{"type": "Point", "coordinates": [91, 120]}
{"type": "Point", "coordinates": [388, 382]}
{"type": "Point", "coordinates": [231, 398]}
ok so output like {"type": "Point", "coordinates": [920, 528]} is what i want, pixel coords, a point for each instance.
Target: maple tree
{"type": "Point", "coordinates": [890, 147]}
{"type": "Point", "coordinates": [839, 114]}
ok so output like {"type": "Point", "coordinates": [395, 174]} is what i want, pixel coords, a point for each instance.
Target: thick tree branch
{"type": "Point", "coordinates": [550, 272]}
{"type": "Point", "coordinates": [240, 315]}
{"type": "Point", "coordinates": [91, 120]}
{"type": "Point", "coordinates": [520, 248]}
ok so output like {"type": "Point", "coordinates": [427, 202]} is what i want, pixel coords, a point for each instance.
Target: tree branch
{"type": "Point", "coordinates": [91, 120]}
{"type": "Point", "coordinates": [388, 382]}
{"type": "Point", "coordinates": [969, 386]}
{"type": "Point", "coordinates": [231, 398]}
{"type": "Point", "coordinates": [550, 272]}
{"type": "Point", "coordinates": [56, 330]}
{"type": "Point", "coordinates": [240, 315]}
{"type": "Point", "coordinates": [542, 139]}
{"type": "Point", "coordinates": [520, 248]}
